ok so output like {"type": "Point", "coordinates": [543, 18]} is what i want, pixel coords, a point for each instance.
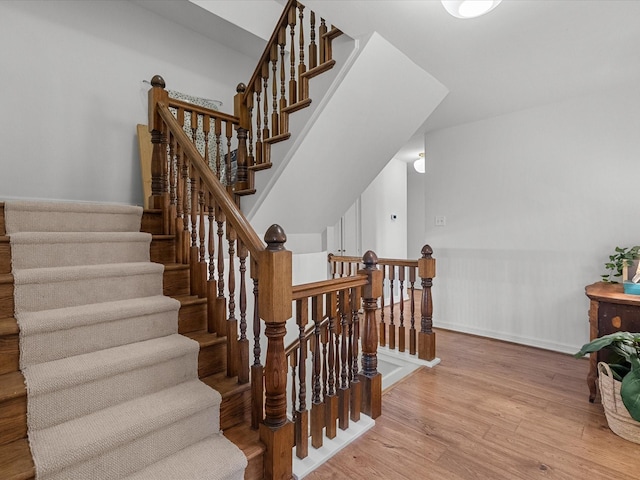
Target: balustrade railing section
{"type": "Point", "coordinates": [398, 282]}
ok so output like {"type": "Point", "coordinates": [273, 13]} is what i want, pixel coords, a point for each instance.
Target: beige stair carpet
{"type": "Point", "coordinates": [112, 389]}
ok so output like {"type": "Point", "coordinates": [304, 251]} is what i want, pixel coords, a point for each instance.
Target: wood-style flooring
{"type": "Point", "coordinates": [490, 410]}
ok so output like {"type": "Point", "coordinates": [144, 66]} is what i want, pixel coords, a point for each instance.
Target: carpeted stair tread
{"type": "Point", "coordinates": [107, 377]}
{"type": "Point", "coordinates": [48, 335]}
{"type": "Point", "coordinates": [78, 440]}
{"type": "Point", "coordinates": [209, 459]}
{"type": "Point", "coordinates": [51, 288]}
{"type": "Point", "coordinates": [28, 216]}
{"type": "Point", "coordinates": [57, 249]}
{"type": "Point", "coordinates": [84, 272]}
{"type": "Point", "coordinates": [71, 317]}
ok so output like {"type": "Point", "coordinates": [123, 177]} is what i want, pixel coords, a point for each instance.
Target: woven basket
{"type": "Point", "coordinates": [618, 418]}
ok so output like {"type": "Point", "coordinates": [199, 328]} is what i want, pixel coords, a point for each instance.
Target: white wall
{"type": "Point", "coordinates": [416, 223]}
{"type": "Point", "coordinates": [535, 201]}
{"type": "Point", "coordinates": [71, 91]}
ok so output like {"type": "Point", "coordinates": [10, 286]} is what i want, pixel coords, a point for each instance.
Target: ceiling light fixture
{"type": "Point", "coordinates": [469, 8]}
{"type": "Point", "coordinates": [419, 163]}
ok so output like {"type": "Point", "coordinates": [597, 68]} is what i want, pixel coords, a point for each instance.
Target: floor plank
{"type": "Point", "coordinates": [490, 410]}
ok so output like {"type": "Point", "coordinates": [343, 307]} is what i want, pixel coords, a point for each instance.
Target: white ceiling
{"type": "Point", "coordinates": [523, 53]}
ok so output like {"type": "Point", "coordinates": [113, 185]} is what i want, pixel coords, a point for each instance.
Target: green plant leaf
{"type": "Point", "coordinates": [602, 342]}
{"type": "Point", "coordinates": [619, 371]}
{"type": "Point", "coordinates": [630, 390]}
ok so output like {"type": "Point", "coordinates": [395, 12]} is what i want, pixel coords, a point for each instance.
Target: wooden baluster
{"type": "Point", "coordinates": [392, 307]}
{"type": "Point", "coordinates": [202, 263]}
{"type": "Point", "coordinates": [179, 222]}
{"type": "Point", "coordinates": [218, 134]}
{"type": "Point", "coordinates": [275, 118]}
{"type": "Point", "coordinates": [323, 41]}
{"type": "Point", "coordinates": [276, 432]}
{"type": "Point", "coordinates": [356, 387]}
{"type": "Point", "coordinates": [383, 326]}
{"type": "Point", "coordinates": [257, 379]}
{"type": "Point", "coordinates": [412, 330]}
{"type": "Point", "coordinates": [293, 87]}
{"type": "Point", "coordinates": [194, 251]}
{"type": "Point", "coordinates": [426, 337]}
{"type": "Point", "coordinates": [243, 343]}
{"type": "Point", "coordinates": [303, 85]}
{"type": "Point", "coordinates": [331, 399]}
{"type": "Point", "coordinates": [173, 145]}
{"type": "Point", "coordinates": [212, 323]}
{"type": "Point", "coordinates": [206, 128]}
{"type": "Point", "coordinates": [265, 120]}
{"type": "Point", "coordinates": [184, 242]}
{"type": "Point", "coordinates": [369, 376]}
{"type": "Point", "coordinates": [313, 48]}
{"type": "Point", "coordinates": [251, 159]}
{"type": "Point", "coordinates": [401, 332]}
{"type": "Point", "coordinates": [302, 416]}
{"type": "Point", "coordinates": [284, 117]}
{"type": "Point", "coordinates": [258, 152]}
{"type": "Point", "coordinates": [345, 364]}
{"type": "Point", "coordinates": [194, 127]}
{"type": "Point", "coordinates": [228, 174]}
{"type": "Point", "coordinates": [232, 322]}
{"type": "Point", "coordinates": [221, 304]}
{"type": "Point", "coordinates": [293, 364]}
{"type": "Point", "coordinates": [317, 407]}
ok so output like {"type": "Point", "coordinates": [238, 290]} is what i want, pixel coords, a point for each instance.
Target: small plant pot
{"type": "Point", "coordinates": [631, 288]}
{"type": "Point", "coordinates": [618, 418]}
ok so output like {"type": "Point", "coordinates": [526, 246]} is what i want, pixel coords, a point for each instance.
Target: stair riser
{"type": "Point", "coordinates": [9, 354]}
{"type": "Point", "coordinates": [133, 456]}
{"type": "Point", "coordinates": [235, 409]}
{"type": "Point", "coordinates": [192, 318]}
{"type": "Point", "coordinates": [13, 420]}
{"type": "Point", "coordinates": [91, 338]}
{"type": "Point", "coordinates": [5, 257]}
{"type": "Point", "coordinates": [6, 300]}
{"type": "Point", "coordinates": [163, 251]}
{"type": "Point", "coordinates": [212, 359]}
{"type": "Point", "coordinates": [104, 392]}
{"type": "Point", "coordinates": [176, 282]}
{"type": "Point", "coordinates": [152, 223]}
{"type": "Point", "coordinates": [2, 229]}
{"type": "Point", "coordinates": [74, 254]}
{"type": "Point", "coordinates": [47, 296]}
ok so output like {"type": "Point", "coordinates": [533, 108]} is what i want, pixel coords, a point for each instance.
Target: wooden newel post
{"type": "Point", "coordinates": [369, 376]}
{"type": "Point", "coordinates": [426, 336]}
{"type": "Point", "coordinates": [276, 432]}
{"type": "Point", "coordinates": [242, 113]}
{"type": "Point", "coordinates": [159, 168]}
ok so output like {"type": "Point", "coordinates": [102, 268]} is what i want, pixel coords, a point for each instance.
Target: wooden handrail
{"type": "Point", "coordinates": [172, 102]}
{"type": "Point", "coordinates": [398, 262]}
{"type": "Point", "coordinates": [266, 54]}
{"type": "Point", "coordinates": [242, 226]}
{"type": "Point", "coordinates": [327, 286]}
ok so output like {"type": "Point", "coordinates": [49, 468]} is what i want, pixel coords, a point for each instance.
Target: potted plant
{"type": "Point", "coordinates": [619, 380]}
{"type": "Point", "coordinates": [617, 269]}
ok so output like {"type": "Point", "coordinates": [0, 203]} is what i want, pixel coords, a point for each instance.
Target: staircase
{"type": "Point", "coordinates": [15, 456]}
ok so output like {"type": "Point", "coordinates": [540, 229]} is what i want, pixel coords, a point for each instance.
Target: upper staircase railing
{"type": "Point", "coordinates": [393, 335]}
{"type": "Point", "coordinates": [279, 85]}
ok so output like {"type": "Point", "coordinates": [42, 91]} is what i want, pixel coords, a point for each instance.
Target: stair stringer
{"type": "Point", "coordinates": [372, 107]}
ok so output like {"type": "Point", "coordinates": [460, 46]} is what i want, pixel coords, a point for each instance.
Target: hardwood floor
{"type": "Point", "coordinates": [490, 410]}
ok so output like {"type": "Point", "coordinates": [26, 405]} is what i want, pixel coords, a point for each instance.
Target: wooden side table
{"type": "Point", "coordinates": [610, 310]}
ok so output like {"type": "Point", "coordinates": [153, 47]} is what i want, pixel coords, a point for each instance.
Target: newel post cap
{"type": "Point", "coordinates": [275, 238]}
{"type": "Point", "coordinates": [158, 81]}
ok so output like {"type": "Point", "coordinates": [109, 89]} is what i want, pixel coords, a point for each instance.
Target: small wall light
{"type": "Point", "coordinates": [419, 163]}
{"type": "Point", "coordinates": [469, 8]}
